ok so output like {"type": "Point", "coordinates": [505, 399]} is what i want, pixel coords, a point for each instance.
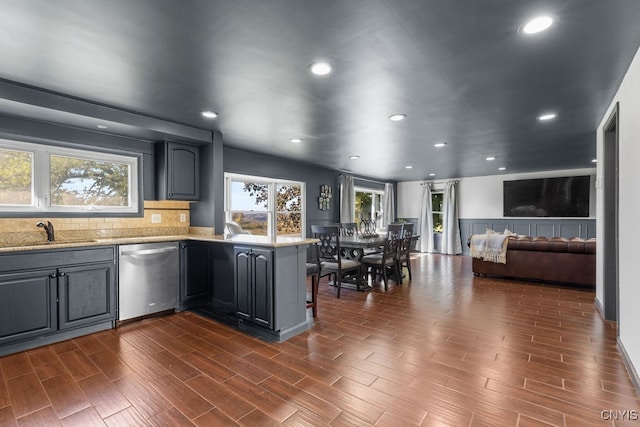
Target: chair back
{"type": "Point", "coordinates": [349, 229]}
{"type": "Point", "coordinates": [329, 244]}
{"type": "Point", "coordinates": [392, 244]}
{"type": "Point", "coordinates": [407, 234]}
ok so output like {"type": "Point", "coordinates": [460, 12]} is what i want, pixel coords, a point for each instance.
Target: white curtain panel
{"type": "Point", "coordinates": [450, 225]}
{"type": "Point", "coordinates": [347, 199]}
{"type": "Point", "coordinates": [388, 205]}
{"type": "Point", "coordinates": [425, 222]}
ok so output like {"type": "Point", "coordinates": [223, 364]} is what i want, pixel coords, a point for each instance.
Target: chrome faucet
{"type": "Point", "coordinates": [48, 227]}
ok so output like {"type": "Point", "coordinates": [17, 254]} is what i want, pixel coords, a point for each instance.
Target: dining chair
{"type": "Point", "coordinates": [348, 229]}
{"type": "Point", "coordinates": [313, 270]}
{"type": "Point", "coordinates": [388, 259]}
{"type": "Point", "coordinates": [330, 256]}
{"type": "Point", "coordinates": [404, 251]}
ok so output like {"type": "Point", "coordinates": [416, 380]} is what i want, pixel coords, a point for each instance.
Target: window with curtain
{"type": "Point", "coordinates": [265, 206]}
{"type": "Point", "coordinates": [437, 199]}
{"type": "Point", "coordinates": [38, 178]}
{"type": "Point", "coordinates": [368, 204]}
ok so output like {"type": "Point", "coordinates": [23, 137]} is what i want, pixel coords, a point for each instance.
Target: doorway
{"type": "Point", "coordinates": [610, 231]}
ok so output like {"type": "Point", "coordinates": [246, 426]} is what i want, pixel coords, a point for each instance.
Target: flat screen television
{"type": "Point", "coordinates": [547, 197]}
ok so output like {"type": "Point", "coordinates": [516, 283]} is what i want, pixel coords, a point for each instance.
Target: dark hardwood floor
{"type": "Point", "coordinates": [446, 349]}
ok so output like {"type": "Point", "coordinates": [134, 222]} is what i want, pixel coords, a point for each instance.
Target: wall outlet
{"type": "Point", "coordinates": [183, 217]}
{"type": "Point", "coordinates": [156, 218]}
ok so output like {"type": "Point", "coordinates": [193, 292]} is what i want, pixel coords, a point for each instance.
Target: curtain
{"type": "Point", "coordinates": [347, 200]}
{"type": "Point", "coordinates": [450, 225]}
{"type": "Point", "coordinates": [425, 222]}
{"type": "Point", "coordinates": [388, 206]}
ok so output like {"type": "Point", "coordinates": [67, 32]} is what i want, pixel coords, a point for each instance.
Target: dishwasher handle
{"type": "Point", "coordinates": [149, 251]}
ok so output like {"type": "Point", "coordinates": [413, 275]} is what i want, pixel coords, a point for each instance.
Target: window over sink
{"type": "Point", "coordinates": [43, 179]}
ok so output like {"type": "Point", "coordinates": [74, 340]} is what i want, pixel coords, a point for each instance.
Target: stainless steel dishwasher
{"type": "Point", "coordinates": [148, 278]}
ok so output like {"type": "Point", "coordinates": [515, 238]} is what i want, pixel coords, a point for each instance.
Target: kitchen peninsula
{"type": "Point", "coordinates": [254, 283]}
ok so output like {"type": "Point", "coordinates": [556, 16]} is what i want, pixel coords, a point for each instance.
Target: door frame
{"type": "Point", "coordinates": [610, 233]}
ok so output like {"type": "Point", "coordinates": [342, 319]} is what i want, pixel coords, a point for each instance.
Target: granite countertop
{"type": "Point", "coordinates": [244, 239]}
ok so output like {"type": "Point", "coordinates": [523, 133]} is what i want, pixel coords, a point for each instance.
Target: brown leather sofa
{"type": "Point", "coordinates": [555, 259]}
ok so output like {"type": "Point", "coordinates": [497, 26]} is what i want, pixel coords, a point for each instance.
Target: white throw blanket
{"type": "Point", "coordinates": [490, 247]}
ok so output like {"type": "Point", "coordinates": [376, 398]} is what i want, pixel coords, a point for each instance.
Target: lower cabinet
{"type": "Point", "coordinates": [28, 305]}
{"type": "Point", "coordinates": [86, 295]}
{"type": "Point", "coordinates": [195, 275]}
{"type": "Point", "coordinates": [254, 285]}
{"type": "Point", "coordinates": [42, 300]}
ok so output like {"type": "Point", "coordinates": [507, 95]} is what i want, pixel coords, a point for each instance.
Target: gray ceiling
{"type": "Point", "coordinates": [459, 69]}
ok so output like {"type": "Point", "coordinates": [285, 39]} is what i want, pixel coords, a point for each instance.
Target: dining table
{"type": "Point", "coordinates": [355, 248]}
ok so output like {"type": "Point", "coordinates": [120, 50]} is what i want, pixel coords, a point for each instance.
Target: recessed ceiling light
{"type": "Point", "coordinates": [432, 174]}
{"type": "Point", "coordinates": [397, 117]}
{"type": "Point", "coordinates": [101, 126]}
{"type": "Point", "coordinates": [594, 161]}
{"type": "Point", "coordinates": [209, 114]}
{"type": "Point", "coordinates": [408, 167]}
{"type": "Point", "coordinates": [490, 158]}
{"type": "Point", "coordinates": [502, 168]}
{"type": "Point", "coordinates": [296, 140]}
{"type": "Point", "coordinates": [537, 24]}
{"type": "Point", "coordinates": [548, 116]}
{"type": "Point", "coordinates": [321, 68]}
{"type": "Point", "coordinates": [439, 144]}
{"type": "Point", "coordinates": [354, 157]}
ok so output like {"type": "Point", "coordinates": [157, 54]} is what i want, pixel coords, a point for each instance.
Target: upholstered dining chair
{"type": "Point", "coordinates": [388, 258]}
{"type": "Point", "coordinates": [330, 256]}
{"type": "Point", "coordinates": [404, 251]}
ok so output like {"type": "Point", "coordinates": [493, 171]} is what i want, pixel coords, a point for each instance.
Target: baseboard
{"type": "Point", "coordinates": [635, 379]}
{"type": "Point", "coordinates": [599, 307]}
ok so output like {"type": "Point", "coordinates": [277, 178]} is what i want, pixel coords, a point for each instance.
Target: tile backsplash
{"type": "Point", "coordinates": [22, 231]}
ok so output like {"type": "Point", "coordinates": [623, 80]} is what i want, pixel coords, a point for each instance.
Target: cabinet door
{"type": "Point", "coordinates": [243, 282]}
{"type": "Point", "coordinates": [86, 295]}
{"type": "Point", "coordinates": [183, 171]}
{"type": "Point", "coordinates": [195, 277]}
{"type": "Point", "coordinates": [27, 305]}
{"type": "Point", "coordinates": [263, 287]}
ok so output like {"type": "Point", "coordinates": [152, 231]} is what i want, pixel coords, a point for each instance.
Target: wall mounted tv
{"type": "Point", "coordinates": [552, 197]}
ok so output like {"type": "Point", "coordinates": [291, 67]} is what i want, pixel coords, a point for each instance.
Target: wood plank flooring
{"type": "Point", "coordinates": [446, 349]}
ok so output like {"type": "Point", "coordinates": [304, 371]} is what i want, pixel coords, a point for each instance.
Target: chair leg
{"type": "Point", "coordinates": [398, 275]}
{"type": "Point", "coordinates": [398, 272]}
{"type": "Point", "coordinates": [338, 281]}
{"type": "Point", "coordinates": [384, 276]}
{"type": "Point", "coordinates": [314, 294]}
{"type": "Point", "coordinates": [409, 267]}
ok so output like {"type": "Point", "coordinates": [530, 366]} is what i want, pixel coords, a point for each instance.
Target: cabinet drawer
{"type": "Point", "coordinates": [52, 258]}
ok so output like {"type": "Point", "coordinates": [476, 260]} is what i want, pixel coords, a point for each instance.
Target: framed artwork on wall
{"type": "Point", "coordinates": [324, 201]}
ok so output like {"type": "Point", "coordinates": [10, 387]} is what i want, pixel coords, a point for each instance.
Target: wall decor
{"type": "Point", "coordinates": [324, 201]}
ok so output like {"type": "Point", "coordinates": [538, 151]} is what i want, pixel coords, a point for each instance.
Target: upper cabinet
{"type": "Point", "coordinates": [177, 171]}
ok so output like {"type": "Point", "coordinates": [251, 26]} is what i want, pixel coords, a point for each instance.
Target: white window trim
{"type": "Point", "coordinates": [379, 194]}
{"type": "Point", "coordinates": [271, 203]}
{"type": "Point", "coordinates": [40, 183]}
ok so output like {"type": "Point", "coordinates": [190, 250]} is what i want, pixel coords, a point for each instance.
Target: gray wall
{"type": "Point", "coordinates": [250, 163]}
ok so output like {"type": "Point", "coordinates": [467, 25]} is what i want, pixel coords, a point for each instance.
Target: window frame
{"type": "Point", "coordinates": [437, 212]}
{"type": "Point", "coordinates": [41, 181]}
{"type": "Point", "coordinates": [376, 195]}
{"type": "Point", "coordinates": [272, 212]}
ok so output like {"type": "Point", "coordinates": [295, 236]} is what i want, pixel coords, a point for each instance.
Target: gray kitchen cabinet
{"type": "Point", "coordinates": [55, 294]}
{"type": "Point", "coordinates": [195, 275]}
{"type": "Point", "coordinates": [177, 171]}
{"type": "Point", "coordinates": [86, 295]}
{"type": "Point", "coordinates": [254, 285]}
{"type": "Point", "coordinates": [28, 306]}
